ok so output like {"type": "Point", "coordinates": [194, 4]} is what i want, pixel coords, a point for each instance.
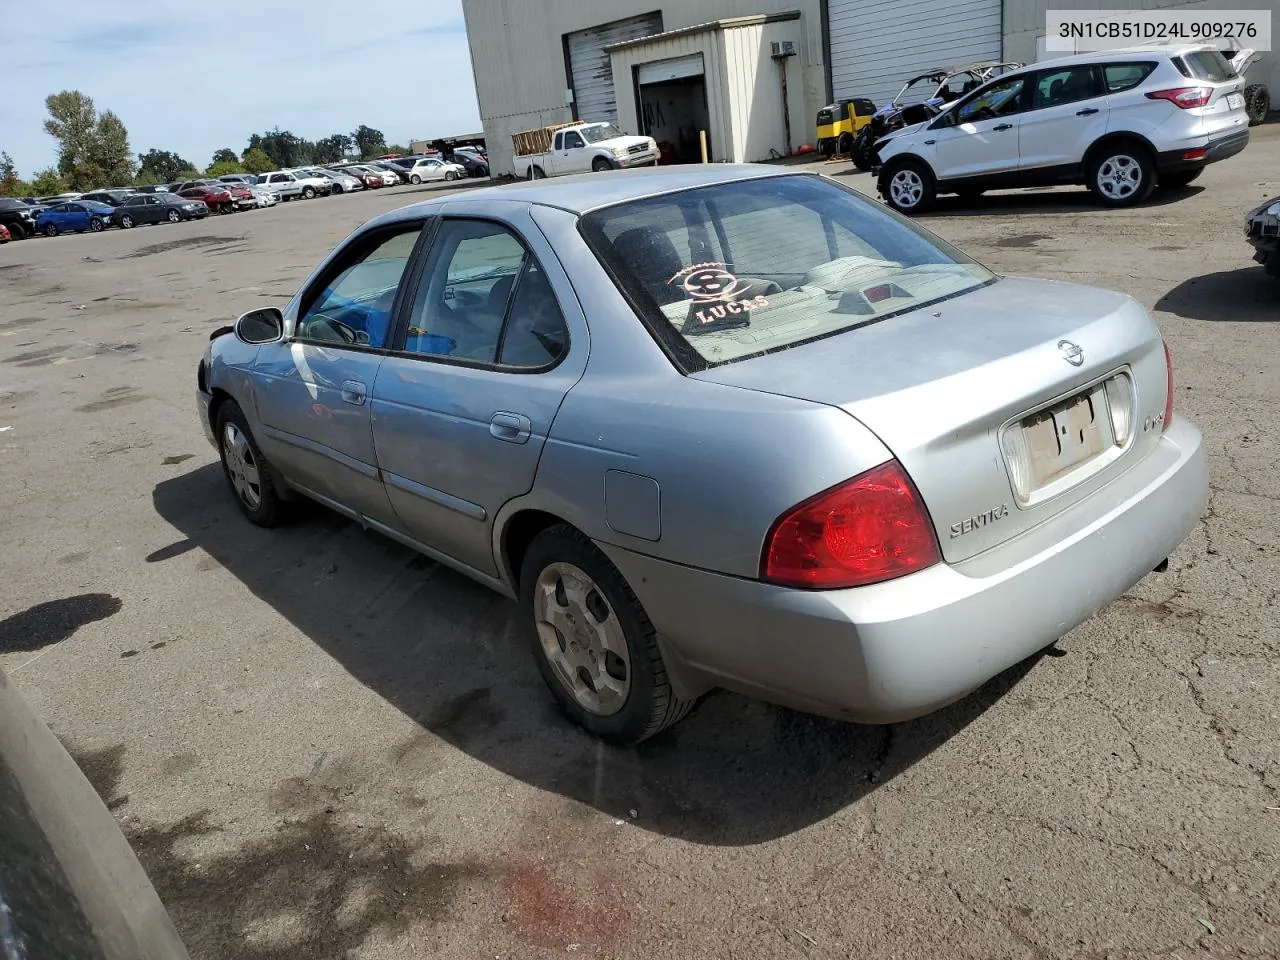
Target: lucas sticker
{"type": "Point", "coordinates": [719, 298]}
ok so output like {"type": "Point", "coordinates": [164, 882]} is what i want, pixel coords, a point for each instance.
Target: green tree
{"type": "Point", "coordinates": [10, 185]}
{"type": "Point", "coordinates": [225, 155]}
{"type": "Point", "coordinates": [109, 153]}
{"type": "Point", "coordinates": [256, 160]}
{"type": "Point", "coordinates": [331, 149]}
{"type": "Point", "coordinates": [73, 123]}
{"type": "Point", "coordinates": [396, 148]}
{"type": "Point", "coordinates": [284, 148]}
{"type": "Point", "coordinates": [223, 167]}
{"type": "Point", "coordinates": [369, 142]}
{"type": "Point", "coordinates": [48, 183]}
{"type": "Point", "coordinates": [161, 166]}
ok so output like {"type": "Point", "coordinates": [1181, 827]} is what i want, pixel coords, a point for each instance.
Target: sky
{"type": "Point", "coordinates": [192, 78]}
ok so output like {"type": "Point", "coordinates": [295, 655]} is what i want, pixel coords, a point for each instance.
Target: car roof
{"type": "Point", "coordinates": [1112, 56]}
{"type": "Point", "coordinates": [589, 191]}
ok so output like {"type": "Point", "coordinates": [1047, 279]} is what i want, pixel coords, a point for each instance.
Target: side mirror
{"type": "Point", "coordinates": [260, 326]}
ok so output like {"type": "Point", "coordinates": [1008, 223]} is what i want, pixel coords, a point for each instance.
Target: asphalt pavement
{"type": "Point", "coordinates": [322, 745]}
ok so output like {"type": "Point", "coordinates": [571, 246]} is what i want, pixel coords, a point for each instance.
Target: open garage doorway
{"type": "Point", "coordinates": [672, 98]}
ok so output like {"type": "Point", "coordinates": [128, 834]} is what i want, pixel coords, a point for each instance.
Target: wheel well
{"type": "Point", "coordinates": [519, 532]}
{"type": "Point", "coordinates": [1111, 140]}
{"type": "Point", "coordinates": [220, 397]}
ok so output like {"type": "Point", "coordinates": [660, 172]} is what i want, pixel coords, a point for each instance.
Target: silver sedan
{"type": "Point", "coordinates": [719, 427]}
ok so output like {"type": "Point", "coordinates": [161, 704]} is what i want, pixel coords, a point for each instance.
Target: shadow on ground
{"type": "Point", "coordinates": [449, 654]}
{"type": "Point", "coordinates": [54, 621]}
{"type": "Point", "coordinates": [1247, 295]}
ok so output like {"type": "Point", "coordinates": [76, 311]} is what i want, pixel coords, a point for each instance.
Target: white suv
{"type": "Point", "coordinates": [1118, 121]}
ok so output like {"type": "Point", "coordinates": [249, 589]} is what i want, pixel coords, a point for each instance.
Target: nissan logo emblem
{"type": "Point", "coordinates": [1071, 352]}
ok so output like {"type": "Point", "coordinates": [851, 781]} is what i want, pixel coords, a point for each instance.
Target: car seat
{"type": "Point", "coordinates": [653, 260]}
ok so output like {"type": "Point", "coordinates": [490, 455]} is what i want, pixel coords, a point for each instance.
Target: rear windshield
{"type": "Point", "coordinates": [1209, 65]}
{"type": "Point", "coordinates": [731, 271]}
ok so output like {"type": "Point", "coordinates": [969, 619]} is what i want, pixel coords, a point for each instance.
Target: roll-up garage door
{"type": "Point", "coordinates": [878, 45]}
{"type": "Point", "coordinates": [591, 69]}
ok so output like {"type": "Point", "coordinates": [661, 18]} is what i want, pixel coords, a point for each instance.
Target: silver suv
{"type": "Point", "coordinates": [1119, 122]}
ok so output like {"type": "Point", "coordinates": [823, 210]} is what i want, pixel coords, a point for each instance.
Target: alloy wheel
{"type": "Point", "coordinates": [242, 466]}
{"type": "Point", "coordinates": [582, 638]}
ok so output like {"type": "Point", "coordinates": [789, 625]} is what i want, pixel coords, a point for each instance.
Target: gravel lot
{"type": "Point", "coordinates": [324, 746]}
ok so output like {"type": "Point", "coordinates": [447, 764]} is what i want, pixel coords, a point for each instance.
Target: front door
{"type": "Point", "coordinates": [1067, 114]}
{"type": "Point", "coordinates": [979, 136]}
{"type": "Point", "coordinates": [314, 390]}
{"type": "Point", "coordinates": [461, 414]}
{"type": "Point", "coordinates": [572, 157]}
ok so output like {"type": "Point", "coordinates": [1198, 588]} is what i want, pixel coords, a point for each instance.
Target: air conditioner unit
{"type": "Point", "coordinates": [782, 48]}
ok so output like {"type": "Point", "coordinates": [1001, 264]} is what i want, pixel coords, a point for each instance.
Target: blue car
{"type": "Point", "coordinates": [74, 215]}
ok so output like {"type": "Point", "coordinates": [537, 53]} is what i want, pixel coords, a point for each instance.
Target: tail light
{"type": "Point", "coordinates": [872, 528]}
{"type": "Point", "coordinates": [1168, 403]}
{"type": "Point", "coordinates": [1184, 97]}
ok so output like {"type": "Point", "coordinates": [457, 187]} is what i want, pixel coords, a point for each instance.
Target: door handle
{"type": "Point", "coordinates": [511, 427]}
{"type": "Point", "coordinates": [930, 143]}
{"type": "Point", "coordinates": [1002, 126]}
{"type": "Point", "coordinates": [354, 392]}
{"type": "Point", "coordinates": [1087, 112]}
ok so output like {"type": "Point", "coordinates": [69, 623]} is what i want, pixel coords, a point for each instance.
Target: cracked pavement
{"type": "Point", "coordinates": [323, 746]}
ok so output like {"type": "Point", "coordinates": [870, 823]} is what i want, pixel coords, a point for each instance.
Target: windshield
{"type": "Point", "coordinates": [731, 271]}
{"type": "Point", "coordinates": [599, 131]}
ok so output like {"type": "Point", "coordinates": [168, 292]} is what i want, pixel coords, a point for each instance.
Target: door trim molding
{"type": "Point", "coordinates": [441, 499]}
{"type": "Point", "coordinates": [311, 446]}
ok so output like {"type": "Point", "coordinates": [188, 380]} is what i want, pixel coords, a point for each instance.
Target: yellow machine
{"type": "Point", "coordinates": [839, 123]}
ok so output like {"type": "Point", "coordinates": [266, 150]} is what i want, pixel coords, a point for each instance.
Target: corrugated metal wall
{"type": "Point", "coordinates": [517, 54]}
{"type": "Point", "coordinates": [1024, 22]}
{"type": "Point", "coordinates": [589, 65]}
{"type": "Point", "coordinates": [877, 45]}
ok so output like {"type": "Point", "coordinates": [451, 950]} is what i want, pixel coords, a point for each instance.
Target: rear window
{"type": "Point", "coordinates": [1125, 76]}
{"type": "Point", "coordinates": [1208, 65]}
{"type": "Point", "coordinates": [731, 271]}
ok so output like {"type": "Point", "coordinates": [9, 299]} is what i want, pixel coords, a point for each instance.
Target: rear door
{"type": "Point", "coordinates": [1067, 113]}
{"type": "Point", "coordinates": [314, 389]}
{"type": "Point", "coordinates": [462, 410]}
{"type": "Point", "coordinates": [979, 136]}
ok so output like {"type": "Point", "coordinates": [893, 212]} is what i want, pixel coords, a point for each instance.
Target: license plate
{"type": "Point", "coordinates": [1066, 436]}
{"type": "Point", "coordinates": [1235, 101]}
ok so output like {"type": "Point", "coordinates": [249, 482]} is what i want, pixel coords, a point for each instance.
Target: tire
{"type": "Point", "coordinates": [95, 224]}
{"type": "Point", "coordinates": [1175, 181]}
{"type": "Point", "coordinates": [174, 216]}
{"type": "Point", "coordinates": [415, 179]}
{"type": "Point", "coordinates": [241, 462]}
{"type": "Point", "coordinates": [50, 229]}
{"type": "Point", "coordinates": [908, 186]}
{"type": "Point", "coordinates": [308, 193]}
{"type": "Point", "coordinates": [1257, 103]}
{"type": "Point", "coordinates": [535, 173]}
{"type": "Point", "coordinates": [561, 557]}
{"type": "Point", "coordinates": [1121, 174]}
{"type": "Point", "coordinates": [16, 232]}
{"type": "Point", "coordinates": [600, 165]}
{"type": "Point", "coordinates": [844, 145]}
{"type": "Point", "coordinates": [126, 222]}
{"type": "Point", "coordinates": [336, 189]}
{"type": "Point", "coordinates": [862, 156]}
{"type": "Point", "coordinates": [449, 175]}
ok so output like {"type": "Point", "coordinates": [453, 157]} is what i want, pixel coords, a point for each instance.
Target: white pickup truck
{"type": "Point", "coordinates": [579, 148]}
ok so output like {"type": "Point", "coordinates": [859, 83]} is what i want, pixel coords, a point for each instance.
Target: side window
{"type": "Point", "coordinates": [998, 100]}
{"type": "Point", "coordinates": [353, 305]}
{"type": "Point", "coordinates": [1125, 76]}
{"type": "Point", "coordinates": [460, 305]}
{"type": "Point", "coordinates": [572, 140]}
{"type": "Point", "coordinates": [535, 334]}
{"type": "Point", "coordinates": [1056, 87]}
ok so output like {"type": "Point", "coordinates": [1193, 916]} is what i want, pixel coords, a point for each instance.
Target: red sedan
{"type": "Point", "coordinates": [217, 199]}
{"type": "Point", "coordinates": [4, 234]}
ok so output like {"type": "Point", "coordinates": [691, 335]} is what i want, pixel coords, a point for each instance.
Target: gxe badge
{"type": "Point", "coordinates": [1071, 352]}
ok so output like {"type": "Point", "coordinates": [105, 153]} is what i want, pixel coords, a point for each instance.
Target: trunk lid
{"type": "Point", "coordinates": [953, 390]}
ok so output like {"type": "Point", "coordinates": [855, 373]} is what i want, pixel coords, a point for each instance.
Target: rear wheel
{"type": "Point", "coordinates": [1172, 181]}
{"type": "Point", "coordinates": [600, 164]}
{"type": "Point", "coordinates": [17, 232]}
{"type": "Point", "coordinates": [863, 158]}
{"type": "Point", "coordinates": [845, 144]}
{"type": "Point", "coordinates": [1257, 103]}
{"type": "Point", "coordinates": [246, 468]}
{"type": "Point", "coordinates": [126, 222]}
{"type": "Point", "coordinates": [1121, 174]}
{"type": "Point", "coordinates": [535, 173]}
{"type": "Point", "coordinates": [909, 186]}
{"type": "Point", "coordinates": [592, 640]}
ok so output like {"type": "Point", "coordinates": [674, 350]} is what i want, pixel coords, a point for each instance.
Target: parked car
{"type": "Point", "coordinates": [313, 184]}
{"type": "Point", "coordinates": [242, 196]}
{"type": "Point", "coordinates": [72, 887]}
{"type": "Point", "coordinates": [429, 168]}
{"type": "Point", "coordinates": [153, 188]}
{"type": "Point", "coordinates": [74, 216]}
{"type": "Point", "coordinates": [372, 179]}
{"type": "Point", "coordinates": [398, 174]}
{"type": "Point", "coordinates": [473, 165]}
{"type": "Point", "coordinates": [158, 208]}
{"type": "Point", "coordinates": [216, 197]}
{"type": "Point", "coordinates": [18, 217]}
{"type": "Point", "coordinates": [60, 198]}
{"type": "Point", "coordinates": [941, 465]}
{"type": "Point", "coordinates": [1116, 121]}
{"type": "Point", "coordinates": [341, 182]}
{"type": "Point", "coordinates": [578, 148]}
{"type": "Point", "coordinates": [5, 235]}
{"type": "Point", "coordinates": [1262, 227]}
{"type": "Point", "coordinates": [263, 197]}
{"type": "Point", "coordinates": [283, 184]}
{"type": "Point", "coordinates": [385, 178]}
{"type": "Point", "coordinates": [248, 179]}
{"type": "Point", "coordinates": [111, 197]}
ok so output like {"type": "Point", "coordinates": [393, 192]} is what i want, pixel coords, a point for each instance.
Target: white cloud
{"type": "Point", "coordinates": [194, 80]}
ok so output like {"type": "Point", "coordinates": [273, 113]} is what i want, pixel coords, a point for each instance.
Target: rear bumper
{"type": "Point", "coordinates": [902, 649]}
{"type": "Point", "coordinates": [1220, 148]}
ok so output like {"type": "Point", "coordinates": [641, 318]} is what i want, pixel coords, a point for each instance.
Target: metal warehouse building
{"type": "Point", "coordinates": [752, 73]}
